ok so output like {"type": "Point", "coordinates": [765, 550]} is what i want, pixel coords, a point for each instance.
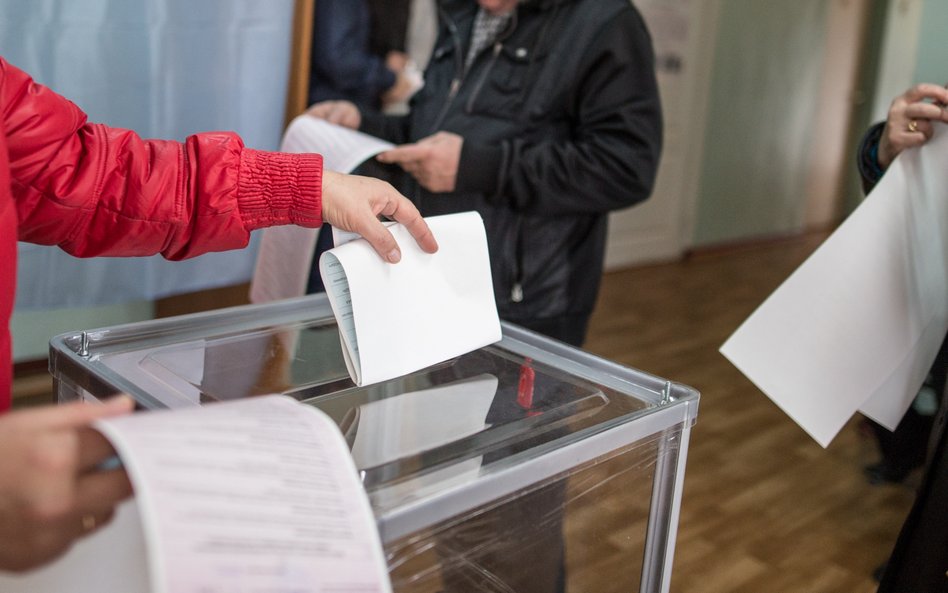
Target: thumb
{"type": "Point", "coordinates": [80, 413]}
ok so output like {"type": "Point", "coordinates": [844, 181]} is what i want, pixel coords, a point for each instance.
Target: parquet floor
{"type": "Point", "coordinates": [765, 509]}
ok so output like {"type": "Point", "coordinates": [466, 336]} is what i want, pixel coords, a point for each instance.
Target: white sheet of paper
{"type": "Point", "coordinates": [397, 319]}
{"type": "Point", "coordinates": [343, 149]}
{"type": "Point", "coordinates": [417, 421]}
{"type": "Point", "coordinates": [258, 494]}
{"type": "Point", "coordinates": [286, 252]}
{"type": "Point", "coordinates": [857, 326]}
{"type": "Point", "coordinates": [409, 423]}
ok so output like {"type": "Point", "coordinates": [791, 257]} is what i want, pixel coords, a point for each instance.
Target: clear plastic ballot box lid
{"type": "Point", "coordinates": [435, 447]}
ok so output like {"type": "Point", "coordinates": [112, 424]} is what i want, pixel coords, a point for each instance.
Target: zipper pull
{"type": "Point", "coordinates": [516, 293]}
{"type": "Point", "coordinates": [455, 85]}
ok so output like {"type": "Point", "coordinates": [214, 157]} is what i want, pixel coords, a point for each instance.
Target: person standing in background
{"type": "Point", "coordinates": [919, 561]}
{"type": "Point", "coordinates": [543, 116]}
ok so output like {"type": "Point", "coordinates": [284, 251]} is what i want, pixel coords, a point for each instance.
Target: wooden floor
{"type": "Point", "coordinates": [765, 509]}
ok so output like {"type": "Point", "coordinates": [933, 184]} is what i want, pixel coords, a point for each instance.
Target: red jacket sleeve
{"type": "Point", "coordinates": [95, 190]}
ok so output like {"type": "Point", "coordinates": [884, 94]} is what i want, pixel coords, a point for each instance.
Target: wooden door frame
{"type": "Point", "coordinates": [297, 96]}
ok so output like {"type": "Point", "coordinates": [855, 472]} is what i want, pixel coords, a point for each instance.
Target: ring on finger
{"type": "Point", "coordinates": [912, 125]}
{"type": "Point", "coordinates": [88, 522]}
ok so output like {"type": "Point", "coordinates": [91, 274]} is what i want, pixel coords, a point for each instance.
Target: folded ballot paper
{"type": "Point", "coordinates": [395, 319]}
{"type": "Point", "coordinates": [259, 494]}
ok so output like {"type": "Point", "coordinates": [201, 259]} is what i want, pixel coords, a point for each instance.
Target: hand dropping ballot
{"type": "Point", "coordinates": [395, 319]}
{"type": "Point", "coordinates": [857, 326]}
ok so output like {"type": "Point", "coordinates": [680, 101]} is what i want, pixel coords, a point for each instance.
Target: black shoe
{"type": "Point", "coordinates": [883, 473]}
{"type": "Point", "coordinates": [879, 571]}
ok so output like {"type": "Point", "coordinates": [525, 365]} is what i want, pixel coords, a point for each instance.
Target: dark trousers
{"type": "Point", "coordinates": [314, 284]}
{"type": "Point", "coordinates": [919, 562]}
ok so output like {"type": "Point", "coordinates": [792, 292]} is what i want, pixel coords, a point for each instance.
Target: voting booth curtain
{"type": "Point", "coordinates": [166, 69]}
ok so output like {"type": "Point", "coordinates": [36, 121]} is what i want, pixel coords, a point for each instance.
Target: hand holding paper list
{"type": "Point", "coordinates": [857, 326]}
{"type": "Point", "coordinates": [395, 320]}
{"type": "Point", "coordinates": [258, 494]}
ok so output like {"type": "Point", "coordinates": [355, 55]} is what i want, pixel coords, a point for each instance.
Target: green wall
{"type": "Point", "coordinates": [932, 65]}
{"type": "Point", "coordinates": [32, 330]}
{"type": "Point", "coordinates": [767, 68]}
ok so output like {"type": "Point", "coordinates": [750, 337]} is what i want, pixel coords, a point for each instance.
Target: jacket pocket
{"type": "Point", "coordinates": [535, 267]}
{"type": "Point", "coordinates": [514, 65]}
{"type": "Point", "coordinates": [503, 83]}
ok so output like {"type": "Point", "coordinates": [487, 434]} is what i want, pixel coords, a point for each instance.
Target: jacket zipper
{"type": "Point", "coordinates": [458, 70]}
{"type": "Point", "coordinates": [460, 74]}
{"type": "Point", "coordinates": [461, 71]}
{"type": "Point", "coordinates": [498, 47]}
{"type": "Point", "coordinates": [516, 290]}
{"type": "Point", "coordinates": [452, 93]}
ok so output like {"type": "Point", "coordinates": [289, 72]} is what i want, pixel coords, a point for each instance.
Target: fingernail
{"type": "Point", "coordinates": [394, 256]}
{"type": "Point", "coordinates": [119, 401]}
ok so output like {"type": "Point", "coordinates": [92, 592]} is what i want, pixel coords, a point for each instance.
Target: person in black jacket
{"type": "Point", "coordinates": [919, 561]}
{"type": "Point", "coordinates": [544, 116]}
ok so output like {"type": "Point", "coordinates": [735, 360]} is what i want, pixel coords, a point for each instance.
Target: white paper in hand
{"type": "Point", "coordinates": [258, 494]}
{"type": "Point", "coordinates": [856, 327]}
{"type": "Point", "coordinates": [395, 319]}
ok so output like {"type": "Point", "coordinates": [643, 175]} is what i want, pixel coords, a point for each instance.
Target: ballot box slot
{"type": "Point", "coordinates": [501, 441]}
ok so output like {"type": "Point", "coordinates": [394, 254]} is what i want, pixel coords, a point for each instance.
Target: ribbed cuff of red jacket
{"type": "Point", "coordinates": [277, 188]}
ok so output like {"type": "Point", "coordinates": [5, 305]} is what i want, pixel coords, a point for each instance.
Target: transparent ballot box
{"type": "Point", "coordinates": [524, 466]}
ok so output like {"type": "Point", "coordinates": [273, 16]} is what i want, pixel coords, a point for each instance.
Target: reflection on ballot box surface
{"type": "Point", "coordinates": [522, 466]}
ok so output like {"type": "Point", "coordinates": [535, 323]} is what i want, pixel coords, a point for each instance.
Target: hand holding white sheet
{"type": "Point", "coordinates": [395, 319]}
{"type": "Point", "coordinates": [857, 326]}
{"type": "Point", "coordinates": [255, 495]}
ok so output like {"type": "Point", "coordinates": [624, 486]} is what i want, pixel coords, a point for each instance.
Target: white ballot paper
{"type": "Point", "coordinates": [286, 252]}
{"type": "Point", "coordinates": [343, 149]}
{"type": "Point", "coordinates": [857, 326]}
{"type": "Point", "coordinates": [258, 495]}
{"type": "Point", "coordinates": [395, 319]}
{"type": "Point", "coordinates": [410, 423]}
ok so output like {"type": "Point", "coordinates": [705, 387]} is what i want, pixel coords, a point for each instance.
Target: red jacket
{"type": "Point", "coordinates": [94, 190]}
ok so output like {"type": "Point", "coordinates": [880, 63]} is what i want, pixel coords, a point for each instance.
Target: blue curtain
{"type": "Point", "coordinates": [166, 69]}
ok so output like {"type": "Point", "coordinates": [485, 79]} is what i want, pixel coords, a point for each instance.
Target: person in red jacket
{"type": "Point", "coordinates": [95, 190]}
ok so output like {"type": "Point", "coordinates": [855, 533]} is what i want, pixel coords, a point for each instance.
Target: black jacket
{"type": "Point", "coordinates": [867, 157]}
{"type": "Point", "coordinates": [562, 124]}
